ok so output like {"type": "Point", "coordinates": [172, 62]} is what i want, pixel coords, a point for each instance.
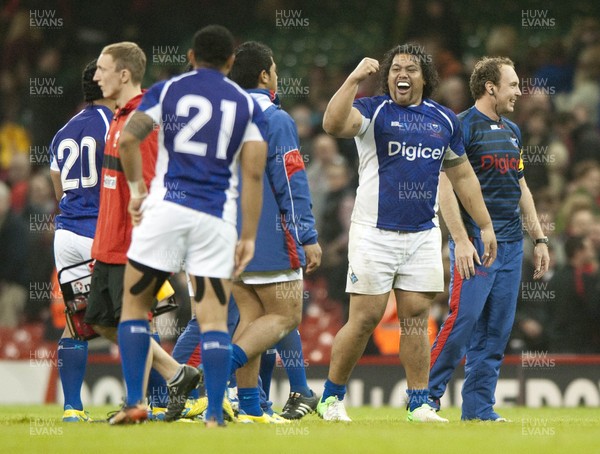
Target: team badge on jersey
{"type": "Point", "coordinates": [110, 182]}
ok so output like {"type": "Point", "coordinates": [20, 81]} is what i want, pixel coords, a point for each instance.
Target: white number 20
{"type": "Point", "coordinates": [88, 144]}
{"type": "Point", "coordinates": [183, 142]}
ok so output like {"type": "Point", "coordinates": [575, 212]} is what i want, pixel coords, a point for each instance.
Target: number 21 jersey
{"type": "Point", "coordinates": [204, 120]}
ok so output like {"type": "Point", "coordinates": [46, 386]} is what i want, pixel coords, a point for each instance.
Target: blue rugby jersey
{"type": "Point", "coordinates": [286, 221]}
{"type": "Point", "coordinates": [494, 150]}
{"type": "Point", "coordinates": [76, 151]}
{"type": "Point", "coordinates": [401, 150]}
{"type": "Point", "coordinates": [204, 120]}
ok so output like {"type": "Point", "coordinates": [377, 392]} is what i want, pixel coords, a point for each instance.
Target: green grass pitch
{"type": "Point", "coordinates": [38, 429]}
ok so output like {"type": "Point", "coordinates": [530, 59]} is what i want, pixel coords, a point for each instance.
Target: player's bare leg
{"type": "Point", "coordinates": [250, 309]}
{"type": "Point", "coordinates": [282, 313]}
{"type": "Point", "coordinates": [211, 296]}
{"type": "Point", "coordinates": [413, 313]}
{"type": "Point", "coordinates": [350, 342]}
{"type": "Point", "coordinates": [211, 310]}
{"type": "Point", "coordinates": [267, 314]}
{"type": "Point", "coordinates": [348, 346]}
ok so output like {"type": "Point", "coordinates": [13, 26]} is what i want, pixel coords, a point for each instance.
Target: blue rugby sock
{"type": "Point", "coordinates": [216, 358]}
{"type": "Point", "coordinates": [250, 401]}
{"type": "Point", "coordinates": [417, 397]}
{"type": "Point", "coordinates": [134, 345]}
{"type": "Point", "coordinates": [290, 352]}
{"type": "Point", "coordinates": [185, 346]}
{"type": "Point", "coordinates": [238, 358]}
{"type": "Point", "coordinates": [331, 389]}
{"type": "Point", "coordinates": [267, 364]}
{"type": "Point", "coordinates": [72, 359]}
{"type": "Point", "coordinates": [265, 404]}
{"type": "Point", "coordinates": [158, 393]}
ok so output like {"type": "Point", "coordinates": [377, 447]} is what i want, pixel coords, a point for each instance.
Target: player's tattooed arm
{"type": "Point", "coordinates": [139, 125]}
{"type": "Point", "coordinates": [133, 133]}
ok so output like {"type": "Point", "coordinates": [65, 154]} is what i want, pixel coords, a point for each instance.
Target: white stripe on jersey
{"type": "Point", "coordinates": [289, 188]}
{"type": "Point", "coordinates": [368, 171]}
{"type": "Point", "coordinates": [157, 186]}
{"type": "Point", "coordinates": [442, 113]}
{"type": "Point", "coordinates": [250, 134]}
{"type": "Point", "coordinates": [262, 100]}
{"type": "Point", "coordinates": [106, 123]}
{"type": "Point", "coordinates": [436, 206]}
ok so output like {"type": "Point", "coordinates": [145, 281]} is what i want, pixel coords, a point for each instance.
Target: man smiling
{"type": "Point", "coordinates": [403, 140]}
{"type": "Point", "coordinates": [482, 308]}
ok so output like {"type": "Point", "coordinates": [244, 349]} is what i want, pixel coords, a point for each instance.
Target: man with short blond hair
{"type": "Point", "coordinates": [130, 56]}
{"type": "Point", "coordinates": [119, 73]}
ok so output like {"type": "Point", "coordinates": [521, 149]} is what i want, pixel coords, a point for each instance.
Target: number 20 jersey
{"type": "Point", "coordinates": [204, 120]}
{"type": "Point", "coordinates": [76, 152]}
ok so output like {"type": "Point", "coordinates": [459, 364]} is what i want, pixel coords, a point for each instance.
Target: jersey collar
{"type": "Point", "coordinates": [258, 93]}
{"type": "Point", "coordinates": [501, 120]}
{"type": "Point", "coordinates": [131, 105]}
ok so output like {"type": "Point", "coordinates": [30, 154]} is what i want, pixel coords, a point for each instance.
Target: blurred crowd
{"type": "Point", "coordinates": [559, 116]}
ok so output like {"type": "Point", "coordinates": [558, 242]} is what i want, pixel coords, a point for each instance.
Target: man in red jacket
{"type": "Point", "coordinates": [119, 74]}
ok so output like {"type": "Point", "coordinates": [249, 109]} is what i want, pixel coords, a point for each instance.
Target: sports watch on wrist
{"type": "Point", "coordinates": [542, 240]}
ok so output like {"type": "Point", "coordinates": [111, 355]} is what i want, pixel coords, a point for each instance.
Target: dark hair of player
{"type": "Point", "coordinates": [91, 90]}
{"type": "Point", "coordinates": [213, 45]}
{"type": "Point", "coordinates": [487, 69]}
{"type": "Point", "coordinates": [251, 59]}
{"type": "Point", "coordinates": [430, 75]}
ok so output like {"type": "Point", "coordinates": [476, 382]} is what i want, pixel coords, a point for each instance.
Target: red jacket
{"type": "Point", "coordinates": [113, 231]}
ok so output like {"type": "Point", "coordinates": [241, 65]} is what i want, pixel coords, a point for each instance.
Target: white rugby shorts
{"type": "Point", "coordinates": [70, 249]}
{"type": "Point", "coordinates": [173, 238]}
{"type": "Point", "coordinates": [270, 277]}
{"type": "Point", "coordinates": [380, 260]}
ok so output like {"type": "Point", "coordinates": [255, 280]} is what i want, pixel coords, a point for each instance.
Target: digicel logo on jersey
{"type": "Point", "coordinates": [411, 152]}
{"type": "Point", "coordinates": [501, 163]}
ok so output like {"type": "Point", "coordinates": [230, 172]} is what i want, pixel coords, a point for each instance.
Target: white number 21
{"type": "Point", "coordinates": [183, 142]}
